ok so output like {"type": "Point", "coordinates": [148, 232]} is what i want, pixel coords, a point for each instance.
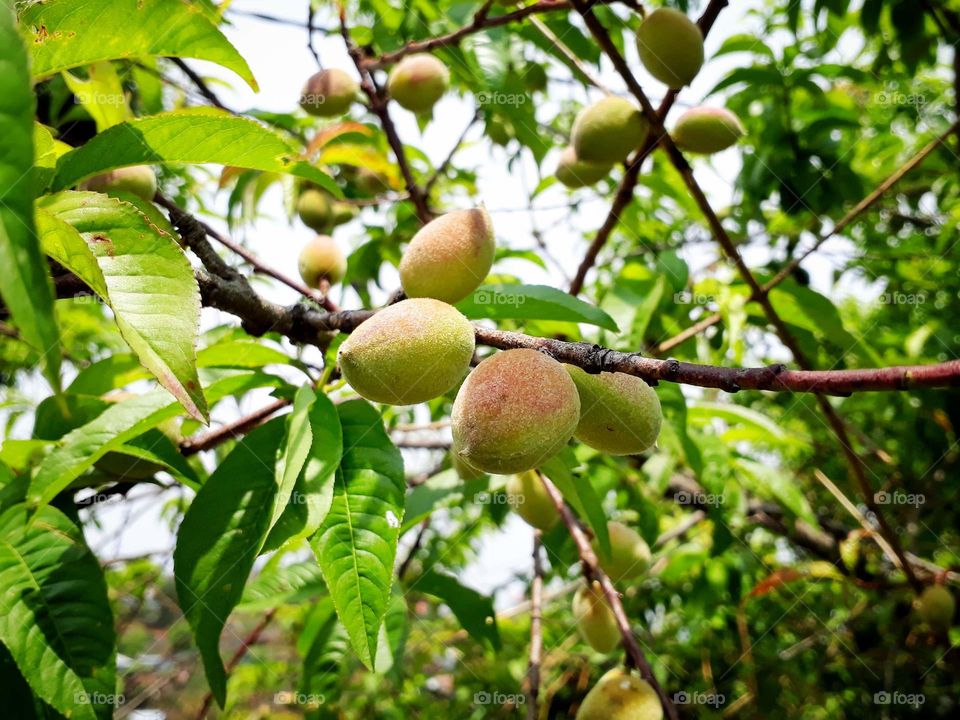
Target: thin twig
{"type": "Point", "coordinates": [239, 427]}
{"type": "Point", "coordinates": [536, 633]}
{"type": "Point", "coordinates": [593, 573]}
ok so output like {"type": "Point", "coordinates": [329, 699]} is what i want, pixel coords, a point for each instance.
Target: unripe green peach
{"type": "Point", "coordinates": [619, 413]}
{"type": "Point", "coordinates": [514, 412]}
{"type": "Point", "coordinates": [139, 180]}
{"type": "Point", "coordinates": [315, 210]}
{"type": "Point", "coordinates": [576, 173]}
{"type": "Point", "coordinates": [322, 260]}
{"type": "Point", "coordinates": [329, 93]}
{"type": "Point", "coordinates": [608, 130]}
{"type": "Point", "coordinates": [370, 182]}
{"type": "Point", "coordinates": [595, 620]}
{"type": "Point", "coordinates": [936, 607]}
{"type": "Point", "coordinates": [629, 554]}
{"type": "Point", "coordinates": [418, 81]}
{"type": "Point", "coordinates": [449, 257]}
{"type": "Point", "coordinates": [671, 47]}
{"type": "Point", "coordinates": [707, 130]}
{"type": "Point", "coordinates": [618, 695]}
{"type": "Point", "coordinates": [530, 500]}
{"type": "Point", "coordinates": [342, 212]}
{"type": "Point", "coordinates": [535, 77]}
{"type": "Point", "coordinates": [464, 470]}
{"type": "Point", "coordinates": [408, 353]}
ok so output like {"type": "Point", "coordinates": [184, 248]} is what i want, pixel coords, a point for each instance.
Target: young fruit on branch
{"type": "Point", "coordinates": [936, 607]}
{"type": "Point", "coordinates": [629, 554]}
{"type": "Point", "coordinates": [575, 173]}
{"type": "Point", "coordinates": [315, 210]}
{"type": "Point", "coordinates": [329, 93]}
{"type": "Point", "coordinates": [671, 47]}
{"type": "Point", "coordinates": [139, 180]}
{"type": "Point", "coordinates": [449, 257]}
{"type": "Point", "coordinates": [619, 414]}
{"type": "Point", "coordinates": [408, 353]}
{"type": "Point", "coordinates": [343, 212]}
{"type": "Point", "coordinates": [608, 130]}
{"type": "Point", "coordinates": [530, 500]}
{"type": "Point", "coordinates": [594, 618]}
{"type": "Point", "coordinates": [707, 130]}
{"type": "Point", "coordinates": [322, 260]}
{"type": "Point", "coordinates": [499, 131]}
{"type": "Point", "coordinates": [618, 695]}
{"type": "Point", "coordinates": [463, 470]}
{"type": "Point", "coordinates": [515, 410]}
{"type": "Point", "coordinates": [418, 81]}
{"type": "Point", "coordinates": [370, 182]}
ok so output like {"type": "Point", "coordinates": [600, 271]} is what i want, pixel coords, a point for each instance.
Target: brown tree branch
{"type": "Point", "coordinates": [628, 183]}
{"type": "Point", "coordinates": [378, 106]}
{"type": "Point", "coordinates": [730, 250]}
{"type": "Point", "coordinates": [238, 428]}
{"type": "Point", "coordinates": [851, 216]}
{"type": "Point", "coordinates": [593, 573]}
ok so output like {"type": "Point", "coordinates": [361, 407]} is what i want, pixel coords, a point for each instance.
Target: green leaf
{"type": "Point", "coordinates": [199, 136]}
{"type": "Point", "coordinates": [67, 34]}
{"type": "Point", "coordinates": [473, 610]}
{"type": "Point", "coordinates": [580, 493]}
{"type": "Point", "coordinates": [439, 491]}
{"type": "Point", "coordinates": [357, 543]}
{"type": "Point", "coordinates": [24, 283]}
{"type": "Point", "coordinates": [142, 273]}
{"type": "Point", "coordinates": [101, 94]}
{"type": "Point", "coordinates": [775, 483]}
{"type": "Point", "coordinates": [241, 354]}
{"type": "Point", "coordinates": [281, 584]}
{"type": "Point", "coordinates": [118, 424]}
{"type": "Point", "coordinates": [220, 538]}
{"type": "Point", "coordinates": [324, 645]}
{"type": "Point", "coordinates": [705, 413]}
{"type": "Point", "coordinates": [315, 442]}
{"type": "Point", "coordinates": [55, 618]}
{"type": "Point", "coordinates": [532, 302]}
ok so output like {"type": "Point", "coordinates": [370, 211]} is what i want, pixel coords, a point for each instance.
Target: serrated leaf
{"type": "Point", "coordinates": [196, 136]}
{"type": "Point", "coordinates": [532, 302]}
{"type": "Point", "coordinates": [357, 544]}
{"type": "Point", "coordinates": [55, 618]}
{"type": "Point", "coordinates": [473, 610]}
{"type": "Point", "coordinates": [325, 644]}
{"type": "Point", "coordinates": [142, 273]}
{"type": "Point", "coordinates": [116, 425]}
{"type": "Point", "coordinates": [24, 283]}
{"type": "Point", "coordinates": [67, 34]}
{"type": "Point", "coordinates": [281, 584]}
{"type": "Point", "coordinates": [315, 440]}
{"type": "Point", "coordinates": [220, 538]}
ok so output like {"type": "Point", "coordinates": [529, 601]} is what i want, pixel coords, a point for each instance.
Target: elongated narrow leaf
{"type": "Point", "coordinates": [24, 284]}
{"type": "Point", "coordinates": [580, 494]}
{"type": "Point", "coordinates": [473, 610]}
{"type": "Point", "coordinates": [314, 444]}
{"type": "Point", "coordinates": [357, 543]}
{"type": "Point", "coordinates": [532, 302]}
{"type": "Point", "coordinates": [280, 584]}
{"type": "Point", "coordinates": [55, 619]}
{"type": "Point", "coordinates": [219, 539]}
{"type": "Point", "coordinates": [119, 423]}
{"type": "Point", "coordinates": [142, 273]}
{"type": "Point", "coordinates": [68, 34]}
{"type": "Point", "coordinates": [197, 137]}
{"type": "Point", "coordinates": [325, 646]}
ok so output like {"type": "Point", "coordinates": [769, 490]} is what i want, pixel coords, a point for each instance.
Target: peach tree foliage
{"type": "Point", "coordinates": [317, 532]}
